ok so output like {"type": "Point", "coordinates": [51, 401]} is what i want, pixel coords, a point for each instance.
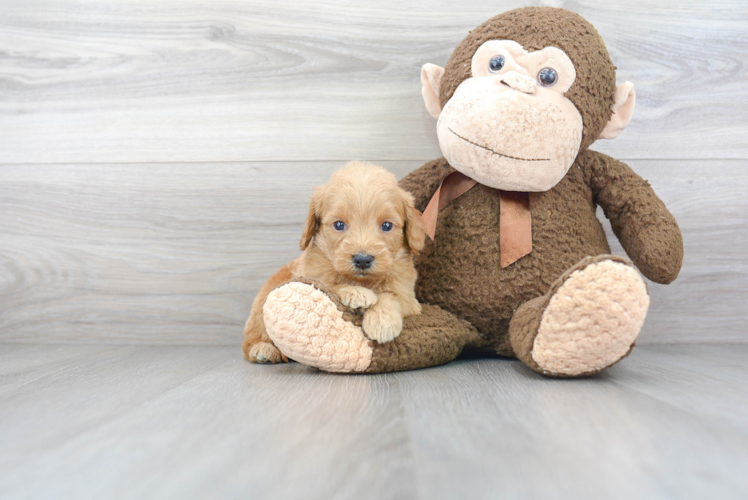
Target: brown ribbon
{"type": "Point", "coordinates": [515, 222]}
{"type": "Point", "coordinates": [515, 226]}
{"type": "Point", "coordinates": [453, 186]}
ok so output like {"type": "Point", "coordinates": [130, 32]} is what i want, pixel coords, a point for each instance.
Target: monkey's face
{"type": "Point", "coordinates": [510, 126]}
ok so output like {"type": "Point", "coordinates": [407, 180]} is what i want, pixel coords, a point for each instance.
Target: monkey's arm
{"type": "Point", "coordinates": [424, 182]}
{"type": "Point", "coordinates": [646, 229]}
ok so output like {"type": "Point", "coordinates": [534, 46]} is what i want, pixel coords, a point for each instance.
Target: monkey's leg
{"type": "Point", "coordinates": [586, 322]}
{"type": "Point", "coordinates": [308, 324]}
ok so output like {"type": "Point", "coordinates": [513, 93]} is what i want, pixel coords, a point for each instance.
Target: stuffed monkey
{"type": "Point", "coordinates": [518, 262]}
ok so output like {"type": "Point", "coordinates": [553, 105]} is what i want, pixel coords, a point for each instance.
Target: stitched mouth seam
{"type": "Point", "coordinates": [494, 152]}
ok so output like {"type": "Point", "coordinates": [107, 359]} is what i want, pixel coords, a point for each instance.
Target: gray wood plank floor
{"type": "Point", "coordinates": [200, 422]}
{"type": "Point", "coordinates": [156, 162]}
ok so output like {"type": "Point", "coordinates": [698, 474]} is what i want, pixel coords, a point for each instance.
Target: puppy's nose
{"type": "Point", "coordinates": [362, 260]}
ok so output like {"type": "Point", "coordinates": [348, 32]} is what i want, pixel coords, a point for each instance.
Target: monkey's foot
{"type": "Point", "coordinates": [308, 326]}
{"type": "Point", "coordinates": [587, 322]}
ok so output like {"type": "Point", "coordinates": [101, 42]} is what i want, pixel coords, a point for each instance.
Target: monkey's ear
{"type": "Point", "coordinates": [431, 77]}
{"type": "Point", "coordinates": [312, 219]}
{"type": "Point", "coordinates": [623, 110]}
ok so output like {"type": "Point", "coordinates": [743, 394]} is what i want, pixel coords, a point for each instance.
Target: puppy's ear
{"type": "Point", "coordinates": [415, 231]}
{"type": "Point", "coordinates": [312, 218]}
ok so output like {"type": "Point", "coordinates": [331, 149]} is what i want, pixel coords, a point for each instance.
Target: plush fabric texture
{"type": "Point", "coordinates": [646, 229]}
{"type": "Point", "coordinates": [431, 338]}
{"type": "Point", "coordinates": [506, 130]}
{"type": "Point", "coordinates": [515, 222]}
{"type": "Point", "coordinates": [430, 79]}
{"type": "Point", "coordinates": [309, 324]}
{"type": "Point", "coordinates": [592, 320]}
{"type": "Point", "coordinates": [623, 111]}
{"type": "Point", "coordinates": [535, 28]}
{"type": "Point", "coordinates": [566, 309]}
{"type": "Point", "coordinates": [592, 316]}
{"type": "Point", "coordinates": [602, 351]}
{"type": "Point", "coordinates": [460, 270]}
{"type": "Point", "coordinates": [540, 133]}
{"type": "Point", "coordinates": [312, 327]}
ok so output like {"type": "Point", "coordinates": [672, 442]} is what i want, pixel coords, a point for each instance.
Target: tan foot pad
{"type": "Point", "coordinates": [307, 326]}
{"type": "Point", "coordinates": [592, 320]}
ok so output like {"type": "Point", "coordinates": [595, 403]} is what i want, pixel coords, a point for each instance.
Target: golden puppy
{"type": "Point", "coordinates": [360, 237]}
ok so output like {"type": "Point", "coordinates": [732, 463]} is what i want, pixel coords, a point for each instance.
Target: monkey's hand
{"type": "Point", "coordinates": [646, 229]}
{"type": "Point", "coordinates": [356, 297]}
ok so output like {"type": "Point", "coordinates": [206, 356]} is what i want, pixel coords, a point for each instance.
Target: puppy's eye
{"type": "Point", "coordinates": [339, 225]}
{"type": "Point", "coordinates": [387, 227]}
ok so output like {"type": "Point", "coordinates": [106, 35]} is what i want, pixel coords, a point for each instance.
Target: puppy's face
{"type": "Point", "coordinates": [363, 222]}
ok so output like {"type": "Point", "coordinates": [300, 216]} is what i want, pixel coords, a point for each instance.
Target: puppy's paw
{"type": "Point", "coordinates": [357, 297]}
{"type": "Point", "coordinates": [382, 324]}
{"type": "Point", "coordinates": [265, 352]}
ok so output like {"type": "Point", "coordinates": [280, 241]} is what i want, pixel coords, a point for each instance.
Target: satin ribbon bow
{"type": "Point", "coordinates": [515, 222]}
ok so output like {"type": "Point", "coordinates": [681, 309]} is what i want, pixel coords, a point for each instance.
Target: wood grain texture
{"type": "Point", "coordinates": [705, 303]}
{"type": "Point", "coordinates": [156, 163]}
{"type": "Point", "coordinates": [247, 93]}
{"type": "Point", "coordinates": [200, 422]}
{"type": "Point", "coordinates": [175, 254]}
{"type": "Point", "coordinates": [198, 80]}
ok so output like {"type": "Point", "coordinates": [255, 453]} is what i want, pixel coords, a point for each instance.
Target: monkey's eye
{"type": "Point", "coordinates": [547, 77]}
{"type": "Point", "coordinates": [339, 225]}
{"type": "Point", "coordinates": [387, 227]}
{"type": "Point", "coordinates": [497, 62]}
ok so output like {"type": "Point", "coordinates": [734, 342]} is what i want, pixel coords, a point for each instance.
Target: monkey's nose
{"type": "Point", "coordinates": [363, 260]}
{"type": "Point", "coordinates": [518, 81]}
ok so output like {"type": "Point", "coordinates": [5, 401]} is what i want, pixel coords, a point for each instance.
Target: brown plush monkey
{"type": "Point", "coordinates": [519, 262]}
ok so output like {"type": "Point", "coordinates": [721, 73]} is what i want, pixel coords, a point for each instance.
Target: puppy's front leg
{"type": "Point", "coordinates": [356, 297]}
{"type": "Point", "coordinates": [383, 322]}
{"type": "Point", "coordinates": [257, 346]}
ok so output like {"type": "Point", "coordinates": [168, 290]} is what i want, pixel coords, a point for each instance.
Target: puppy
{"type": "Point", "coordinates": [359, 240]}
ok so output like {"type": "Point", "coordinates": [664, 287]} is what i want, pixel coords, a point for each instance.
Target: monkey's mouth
{"type": "Point", "coordinates": [495, 152]}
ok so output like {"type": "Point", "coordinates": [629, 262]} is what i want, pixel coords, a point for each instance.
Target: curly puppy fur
{"type": "Point", "coordinates": [363, 197]}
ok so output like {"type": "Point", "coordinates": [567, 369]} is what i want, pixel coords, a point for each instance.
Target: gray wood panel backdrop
{"type": "Point", "coordinates": [157, 158]}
